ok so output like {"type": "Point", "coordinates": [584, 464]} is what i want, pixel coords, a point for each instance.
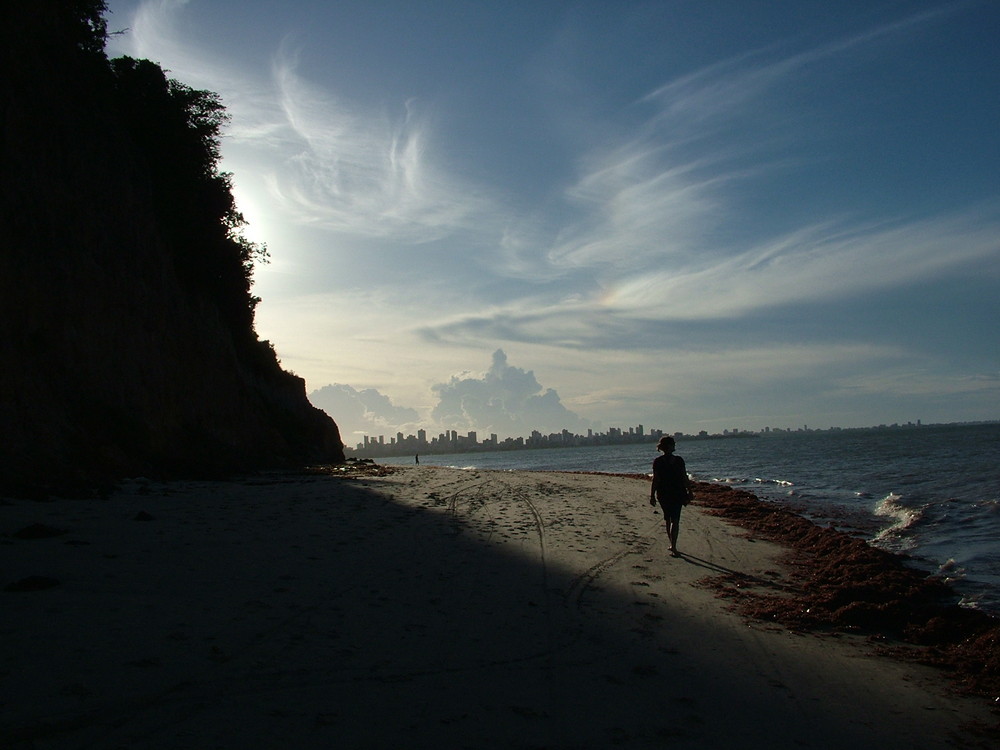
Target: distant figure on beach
{"type": "Point", "coordinates": [671, 487]}
{"type": "Point", "coordinates": [416, 459]}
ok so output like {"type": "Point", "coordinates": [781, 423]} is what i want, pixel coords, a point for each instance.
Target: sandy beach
{"type": "Point", "coordinates": [428, 607]}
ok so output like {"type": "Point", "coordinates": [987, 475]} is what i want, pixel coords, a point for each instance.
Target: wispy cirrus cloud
{"type": "Point", "coordinates": [813, 265]}
{"type": "Point", "coordinates": [907, 382]}
{"type": "Point", "coordinates": [364, 173]}
{"type": "Point", "coordinates": [156, 32]}
{"type": "Point", "coordinates": [657, 217]}
{"type": "Point", "coordinates": [152, 31]}
{"type": "Point", "coordinates": [704, 98]}
{"type": "Point", "coordinates": [344, 166]}
{"type": "Point", "coordinates": [816, 264]}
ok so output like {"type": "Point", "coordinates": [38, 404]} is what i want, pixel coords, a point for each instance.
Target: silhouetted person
{"type": "Point", "coordinates": [416, 459]}
{"type": "Point", "coordinates": [671, 487]}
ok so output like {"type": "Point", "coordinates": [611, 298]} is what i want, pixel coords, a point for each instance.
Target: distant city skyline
{"type": "Point", "coordinates": [453, 442]}
{"type": "Point", "coordinates": [452, 439]}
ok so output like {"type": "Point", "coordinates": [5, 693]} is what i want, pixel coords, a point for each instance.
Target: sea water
{"type": "Point", "coordinates": [931, 493]}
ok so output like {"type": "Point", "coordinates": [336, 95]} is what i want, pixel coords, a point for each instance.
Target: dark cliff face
{"type": "Point", "coordinates": [120, 355]}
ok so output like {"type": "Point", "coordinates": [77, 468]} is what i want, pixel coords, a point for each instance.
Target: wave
{"type": "Point", "coordinates": [779, 482]}
{"type": "Point", "coordinates": [950, 570]}
{"type": "Point", "coordinates": [903, 517]}
{"type": "Point", "coordinates": [751, 480]}
{"type": "Point", "coordinates": [729, 480]}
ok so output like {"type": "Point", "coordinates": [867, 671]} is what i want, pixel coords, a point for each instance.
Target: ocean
{"type": "Point", "coordinates": [931, 493]}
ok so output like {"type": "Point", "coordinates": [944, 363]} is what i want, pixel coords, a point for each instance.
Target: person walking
{"type": "Point", "coordinates": [671, 487]}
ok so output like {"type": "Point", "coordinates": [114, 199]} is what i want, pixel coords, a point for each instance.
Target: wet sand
{"type": "Point", "coordinates": [438, 607]}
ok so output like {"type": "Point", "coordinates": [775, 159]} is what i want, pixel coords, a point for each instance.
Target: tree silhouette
{"type": "Point", "coordinates": [69, 25]}
{"type": "Point", "coordinates": [177, 129]}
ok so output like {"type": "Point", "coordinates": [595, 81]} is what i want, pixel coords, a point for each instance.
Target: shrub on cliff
{"type": "Point", "coordinates": [176, 129]}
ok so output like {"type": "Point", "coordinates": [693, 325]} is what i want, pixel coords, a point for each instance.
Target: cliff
{"type": "Point", "coordinates": [127, 344]}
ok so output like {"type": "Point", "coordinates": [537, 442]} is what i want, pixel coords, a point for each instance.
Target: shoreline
{"type": "Point", "coordinates": [427, 605]}
{"type": "Point", "coordinates": [842, 583]}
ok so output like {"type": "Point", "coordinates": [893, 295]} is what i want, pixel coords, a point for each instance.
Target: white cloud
{"type": "Point", "coordinates": [343, 166]}
{"type": "Point", "coordinates": [810, 266]}
{"type": "Point", "coordinates": [505, 400]}
{"type": "Point", "coordinates": [658, 228]}
{"type": "Point", "coordinates": [702, 99]}
{"type": "Point", "coordinates": [815, 264]}
{"type": "Point", "coordinates": [364, 412]}
{"type": "Point", "coordinates": [640, 211]}
{"type": "Point", "coordinates": [153, 34]}
{"type": "Point", "coordinates": [360, 173]}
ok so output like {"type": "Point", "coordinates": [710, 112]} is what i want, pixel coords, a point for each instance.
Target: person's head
{"type": "Point", "coordinates": [666, 444]}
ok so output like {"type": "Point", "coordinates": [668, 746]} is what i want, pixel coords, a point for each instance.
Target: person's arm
{"type": "Point", "coordinates": [689, 485]}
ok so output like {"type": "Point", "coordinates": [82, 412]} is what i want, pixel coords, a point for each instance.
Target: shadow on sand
{"type": "Point", "coordinates": [303, 611]}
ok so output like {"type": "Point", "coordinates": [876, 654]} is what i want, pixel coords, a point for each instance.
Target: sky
{"type": "Point", "coordinates": [687, 214]}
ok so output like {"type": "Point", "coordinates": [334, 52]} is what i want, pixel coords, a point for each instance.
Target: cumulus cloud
{"type": "Point", "coordinates": [505, 400]}
{"type": "Point", "coordinates": [365, 412]}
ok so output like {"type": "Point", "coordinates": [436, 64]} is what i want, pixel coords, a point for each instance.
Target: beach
{"type": "Point", "coordinates": [429, 607]}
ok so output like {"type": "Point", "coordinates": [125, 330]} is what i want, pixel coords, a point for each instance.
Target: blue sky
{"type": "Point", "coordinates": [505, 216]}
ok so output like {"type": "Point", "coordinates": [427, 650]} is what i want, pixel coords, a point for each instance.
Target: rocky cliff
{"type": "Point", "coordinates": [126, 321]}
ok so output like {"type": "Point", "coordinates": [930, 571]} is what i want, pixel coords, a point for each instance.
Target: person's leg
{"type": "Point", "coordinates": [672, 517]}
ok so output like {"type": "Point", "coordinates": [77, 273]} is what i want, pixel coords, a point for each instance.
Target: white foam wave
{"type": "Point", "coordinates": [730, 480]}
{"type": "Point", "coordinates": [779, 482]}
{"type": "Point", "coordinates": [891, 507]}
{"type": "Point", "coordinates": [971, 601]}
{"type": "Point", "coordinates": [951, 571]}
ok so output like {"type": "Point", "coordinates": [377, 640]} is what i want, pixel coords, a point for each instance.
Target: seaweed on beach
{"type": "Point", "coordinates": [352, 469]}
{"type": "Point", "coordinates": [839, 582]}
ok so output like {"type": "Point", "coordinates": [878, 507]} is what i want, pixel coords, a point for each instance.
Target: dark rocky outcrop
{"type": "Point", "coordinates": [126, 326]}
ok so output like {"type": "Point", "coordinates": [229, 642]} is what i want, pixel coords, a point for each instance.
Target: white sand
{"type": "Point", "coordinates": [429, 608]}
